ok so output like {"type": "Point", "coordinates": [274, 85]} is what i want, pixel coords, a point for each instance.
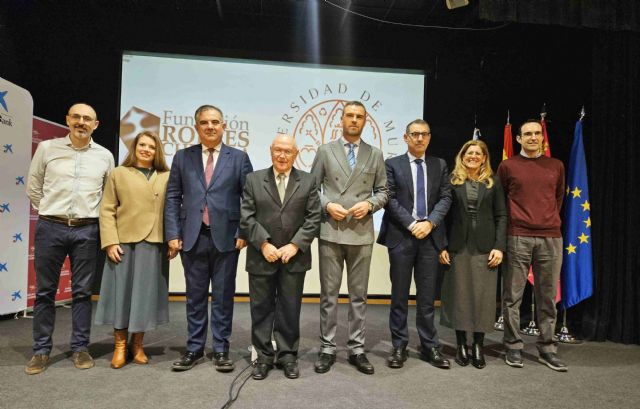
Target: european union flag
{"type": "Point", "coordinates": [577, 264]}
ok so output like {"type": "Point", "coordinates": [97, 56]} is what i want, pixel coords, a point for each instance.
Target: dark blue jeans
{"type": "Point", "coordinates": [53, 242]}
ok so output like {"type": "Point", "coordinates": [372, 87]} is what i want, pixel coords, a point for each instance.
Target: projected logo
{"type": "Point", "coordinates": [322, 124]}
{"type": "Point", "coordinates": [137, 120]}
{"type": "Point", "coordinates": [177, 131]}
{"type": "Point", "coordinates": [313, 116]}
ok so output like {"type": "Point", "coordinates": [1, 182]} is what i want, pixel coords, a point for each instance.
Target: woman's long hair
{"type": "Point", "coordinates": [159, 162]}
{"type": "Point", "coordinates": [485, 173]}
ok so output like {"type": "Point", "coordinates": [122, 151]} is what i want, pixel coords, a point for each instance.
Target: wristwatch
{"type": "Point", "coordinates": [370, 207]}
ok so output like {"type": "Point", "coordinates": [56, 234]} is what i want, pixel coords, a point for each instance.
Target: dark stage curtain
{"type": "Point", "coordinates": [613, 313]}
{"type": "Point", "coordinates": [602, 14]}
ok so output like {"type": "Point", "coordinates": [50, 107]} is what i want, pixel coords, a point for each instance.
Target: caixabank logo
{"type": "Point", "coordinates": [314, 118]}
{"type": "Point", "coordinates": [177, 131]}
{"type": "Point", "coordinates": [3, 102]}
{"type": "Point", "coordinates": [5, 118]}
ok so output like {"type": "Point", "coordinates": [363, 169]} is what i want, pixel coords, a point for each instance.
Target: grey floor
{"type": "Point", "coordinates": [601, 375]}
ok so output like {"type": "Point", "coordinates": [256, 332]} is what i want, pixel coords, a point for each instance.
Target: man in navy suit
{"type": "Point", "coordinates": [201, 218]}
{"type": "Point", "coordinates": [413, 231]}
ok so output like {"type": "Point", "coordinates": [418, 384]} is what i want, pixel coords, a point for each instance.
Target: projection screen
{"type": "Point", "coordinates": [160, 92]}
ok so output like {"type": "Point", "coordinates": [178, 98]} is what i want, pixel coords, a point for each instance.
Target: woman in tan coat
{"type": "Point", "coordinates": [134, 290]}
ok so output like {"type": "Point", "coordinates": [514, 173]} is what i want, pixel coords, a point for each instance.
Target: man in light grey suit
{"type": "Point", "coordinates": [353, 182]}
{"type": "Point", "coordinates": [280, 216]}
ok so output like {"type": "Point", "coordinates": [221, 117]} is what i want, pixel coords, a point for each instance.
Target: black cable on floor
{"type": "Point", "coordinates": [232, 398]}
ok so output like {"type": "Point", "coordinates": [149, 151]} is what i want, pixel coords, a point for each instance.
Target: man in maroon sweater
{"type": "Point", "coordinates": [534, 186]}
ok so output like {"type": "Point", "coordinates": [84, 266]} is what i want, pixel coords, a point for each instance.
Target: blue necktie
{"type": "Point", "coordinates": [351, 156]}
{"type": "Point", "coordinates": [421, 205]}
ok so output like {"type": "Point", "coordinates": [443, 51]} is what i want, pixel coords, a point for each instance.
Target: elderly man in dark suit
{"type": "Point", "coordinates": [280, 216]}
{"type": "Point", "coordinates": [412, 229]}
{"type": "Point", "coordinates": [201, 218]}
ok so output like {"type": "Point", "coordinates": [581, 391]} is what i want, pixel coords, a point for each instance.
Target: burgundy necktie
{"type": "Point", "coordinates": [208, 174]}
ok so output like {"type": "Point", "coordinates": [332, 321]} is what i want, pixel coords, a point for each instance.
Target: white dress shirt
{"type": "Point", "coordinates": [286, 177]}
{"type": "Point", "coordinates": [414, 175]}
{"type": "Point", "coordinates": [356, 146]}
{"type": "Point", "coordinates": [205, 155]}
{"type": "Point", "coordinates": [65, 181]}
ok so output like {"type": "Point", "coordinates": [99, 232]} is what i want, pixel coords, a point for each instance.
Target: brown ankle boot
{"type": "Point", "coordinates": [120, 349]}
{"type": "Point", "coordinates": [139, 357]}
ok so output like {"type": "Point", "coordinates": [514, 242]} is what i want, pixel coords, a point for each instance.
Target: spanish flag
{"type": "Point", "coordinates": [546, 147]}
{"type": "Point", "coordinates": [507, 146]}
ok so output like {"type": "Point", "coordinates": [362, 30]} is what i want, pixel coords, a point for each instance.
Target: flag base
{"type": "Point", "coordinates": [565, 337]}
{"type": "Point", "coordinates": [531, 329]}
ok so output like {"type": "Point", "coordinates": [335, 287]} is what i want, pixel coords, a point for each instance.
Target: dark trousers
{"type": "Point", "coordinates": [275, 308]}
{"type": "Point", "coordinates": [53, 242]}
{"type": "Point", "coordinates": [204, 265]}
{"type": "Point", "coordinates": [419, 257]}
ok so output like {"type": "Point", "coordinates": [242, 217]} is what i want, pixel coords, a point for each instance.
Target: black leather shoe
{"type": "Point", "coordinates": [551, 360]}
{"type": "Point", "coordinates": [361, 362]}
{"type": "Point", "coordinates": [513, 358]}
{"type": "Point", "coordinates": [435, 358]}
{"type": "Point", "coordinates": [397, 357]}
{"type": "Point", "coordinates": [188, 361]}
{"type": "Point", "coordinates": [477, 356]}
{"type": "Point", "coordinates": [462, 358]}
{"type": "Point", "coordinates": [222, 363]}
{"type": "Point", "coordinates": [324, 362]}
{"type": "Point", "coordinates": [291, 370]}
{"type": "Point", "coordinates": [260, 371]}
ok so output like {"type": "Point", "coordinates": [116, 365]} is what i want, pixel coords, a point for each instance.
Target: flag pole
{"type": "Point", "coordinates": [499, 324]}
{"type": "Point", "coordinates": [564, 335]}
{"type": "Point", "coordinates": [476, 131]}
{"type": "Point", "coordinates": [532, 328]}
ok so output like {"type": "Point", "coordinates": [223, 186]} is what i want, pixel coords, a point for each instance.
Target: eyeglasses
{"type": "Point", "coordinates": [285, 152]}
{"type": "Point", "coordinates": [78, 117]}
{"type": "Point", "coordinates": [416, 135]}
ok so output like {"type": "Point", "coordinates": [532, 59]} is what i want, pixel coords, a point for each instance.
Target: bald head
{"type": "Point", "coordinates": [283, 152]}
{"type": "Point", "coordinates": [84, 107]}
{"type": "Point", "coordinates": [283, 138]}
{"type": "Point", "coordinates": [82, 121]}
